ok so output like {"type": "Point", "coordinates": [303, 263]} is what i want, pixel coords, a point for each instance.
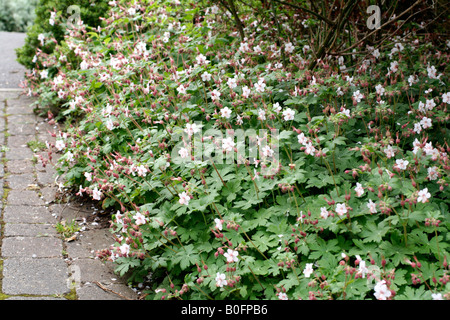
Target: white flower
{"type": "Point", "coordinates": [215, 95]}
{"type": "Point", "coordinates": [436, 296]}
{"type": "Point", "coordinates": [41, 38]}
{"type": "Point", "coordinates": [430, 104]}
{"type": "Point", "coordinates": [372, 206]}
{"type": "Point", "coordinates": [139, 218]}
{"type": "Point", "coordinates": [191, 129]}
{"type": "Point", "coordinates": [283, 296]}
{"type": "Point", "coordinates": [308, 270]}
{"type": "Point", "coordinates": [244, 47]}
{"type": "Point", "coordinates": [201, 59]}
{"type": "Point", "coordinates": [262, 114]}
{"type": "Point", "coordinates": [421, 106]}
{"type": "Point", "coordinates": [358, 96]}
{"type": "Point", "coordinates": [59, 144]}
{"type": "Point", "coordinates": [288, 114]}
{"type": "Point", "coordinates": [96, 194]}
{"type": "Point", "coordinates": [402, 164]}
{"type": "Point", "coordinates": [417, 127]}
{"type": "Point", "coordinates": [345, 112]}
{"type": "Point", "coordinates": [389, 151]}
{"type": "Point", "coordinates": [381, 290]}
{"type": "Point", "coordinates": [324, 212]}
{"type": "Point", "coordinates": [394, 66]}
{"type": "Point", "coordinates": [362, 269]}
{"type": "Point", "coordinates": [257, 49]}
{"type": "Point", "coordinates": [376, 53]}
{"type": "Point", "coordinates": [228, 144]}
{"type": "Point", "coordinates": [225, 112]}
{"type": "Point", "coordinates": [88, 176]}
{"type": "Point", "coordinates": [289, 48]}
{"type": "Point", "coordinates": [309, 148]}
{"type": "Point", "coordinates": [432, 72]}
{"type": "Point", "coordinates": [142, 171]}
{"type": "Point", "coordinates": [231, 255]}
{"type": "Point", "coordinates": [220, 280]}
{"type": "Point", "coordinates": [218, 223]}
{"type": "Point", "coordinates": [124, 249]}
{"type": "Point", "coordinates": [380, 89]}
{"type": "Point", "coordinates": [206, 76]}
{"type": "Point", "coordinates": [44, 74]}
{"type": "Point", "coordinates": [412, 79]}
{"type": "Point", "coordinates": [306, 49]}
{"type": "Point", "coordinates": [341, 209]}
{"type": "Point", "coordinates": [428, 148]}
{"type": "Point", "coordinates": [245, 92]}
{"type": "Point", "coordinates": [302, 139]}
{"type": "Point", "coordinates": [359, 189]}
{"type": "Point", "coordinates": [183, 153]}
{"type": "Point", "coordinates": [426, 123]}
{"type": "Point", "coordinates": [232, 83]}
{"type": "Point", "coordinates": [69, 156]}
{"type": "Point", "coordinates": [432, 173]}
{"type": "Point", "coordinates": [181, 89]}
{"type": "Point", "coordinates": [267, 152]}
{"type": "Point", "coordinates": [423, 195]}
{"type": "Point", "coordinates": [214, 9]}
{"type": "Point", "coordinates": [277, 107]}
{"type": "Point", "coordinates": [260, 85]}
{"type": "Point", "coordinates": [446, 98]}
{"type": "Point", "coordinates": [110, 124]}
{"type": "Point", "coordinates": [184, 198]}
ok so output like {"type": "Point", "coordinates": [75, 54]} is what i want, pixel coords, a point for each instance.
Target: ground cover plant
{"type": "Point", "coordinates": [245, 155]}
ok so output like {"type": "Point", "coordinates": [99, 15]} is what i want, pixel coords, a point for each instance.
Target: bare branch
{"type": "Point", "coordinates": [328, 21]}
{"type": "Point", "coordinates": [376, 30]}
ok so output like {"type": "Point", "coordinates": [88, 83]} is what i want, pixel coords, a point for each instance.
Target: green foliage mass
{"type": "Point", "coordinates": [357, 204]}
{"type": "Point", "coordinates": [16, 15]}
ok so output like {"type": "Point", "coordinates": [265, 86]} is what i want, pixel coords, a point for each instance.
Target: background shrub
{"type": "Point", "coordinates": [90, 12]}
{"type": "Point", "coordinates": [16, 15]}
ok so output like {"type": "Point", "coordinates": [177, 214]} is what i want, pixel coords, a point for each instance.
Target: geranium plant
{"type": "Point", "coordinates": [237, 166]}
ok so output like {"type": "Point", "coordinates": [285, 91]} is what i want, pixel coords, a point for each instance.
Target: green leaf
{"type": "Point", "coordinates": [374, 233]}
{"type": "Point", "coordinates": [322, 247]}
{"type": "Point", "coordinates": [414, 294]}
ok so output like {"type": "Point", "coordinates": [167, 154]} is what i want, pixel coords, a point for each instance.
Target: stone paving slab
{"type": "Point", "coordinates": [20, 140]}
{"type": "Point", "coordinates": [15, 129]}
{"type": "Point", "coordinates": [7, 94]}
{"type": "Point", "coordinates": [11, 72]}
{"type": "Point", "coordinates": [29, 230]}
{"type": "Point", "coordinates": [20, 181]}
{"type": "Point", "coordinates": [33, 276]}
{"type": "Point", "coordinates": [20, 166]}
{"type": "Point", "coordinates": [26, 214]}
{"type": "Point", "coordinates": [18, 153]}
{"type": "Point", "coordinates": [31, 247]}
{"type": "Point", "coordinates": [22, 119]}
{"type": "Point", "coordinates": [24, 197]}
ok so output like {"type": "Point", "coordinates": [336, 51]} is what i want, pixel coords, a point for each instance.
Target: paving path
{"type": "Point", "coordinates": [11, 72]}
{"type": "Point", "coordinates": [37, 262]}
